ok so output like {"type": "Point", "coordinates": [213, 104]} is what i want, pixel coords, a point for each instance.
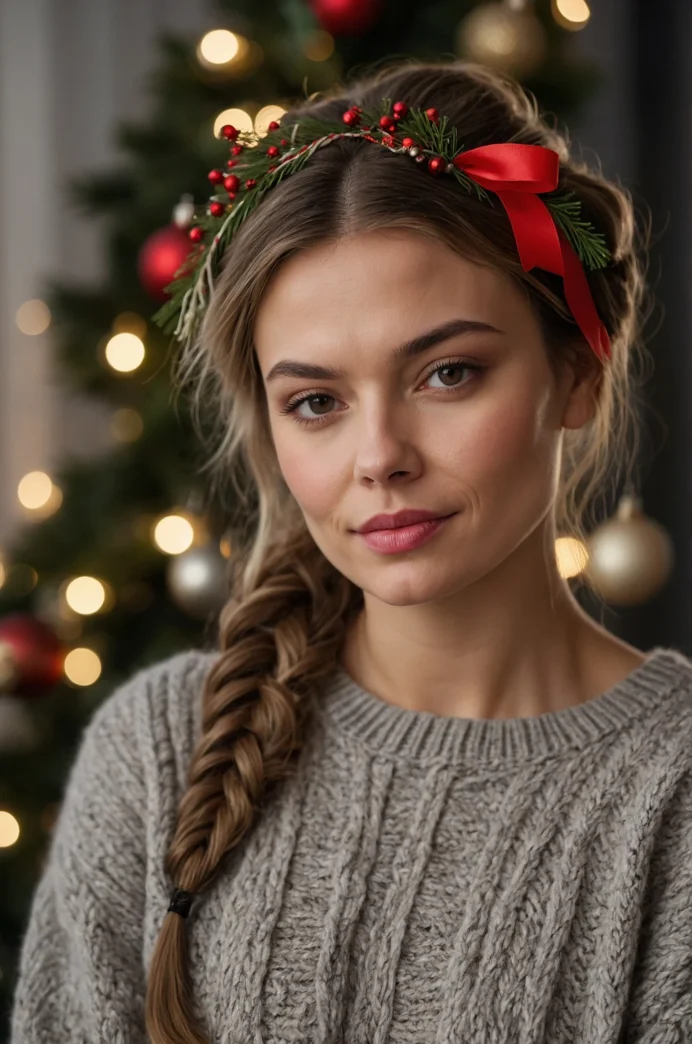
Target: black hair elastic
{"type": "Point", "coordinates": [180, 902]}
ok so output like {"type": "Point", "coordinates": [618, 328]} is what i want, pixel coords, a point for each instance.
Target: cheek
{"type": "Point", "coordinates": [312, 475]}
{"type": "Point", "coordinates": [503, 446]}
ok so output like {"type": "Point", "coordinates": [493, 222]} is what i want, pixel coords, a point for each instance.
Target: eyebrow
{"type": "Point", "coordinates": [407, 350]}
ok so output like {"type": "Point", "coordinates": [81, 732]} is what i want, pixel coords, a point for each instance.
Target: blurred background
{"type": "Point", "coordinates": [112, 552]}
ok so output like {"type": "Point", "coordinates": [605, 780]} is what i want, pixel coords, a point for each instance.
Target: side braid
{"type": "Point", "coordinates": [277, 644]}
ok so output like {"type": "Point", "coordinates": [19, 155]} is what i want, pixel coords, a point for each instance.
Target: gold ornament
{"type": "Point", "coordinates": [630, 556]}
{"type": "Point", "coordinates": [507, 37]}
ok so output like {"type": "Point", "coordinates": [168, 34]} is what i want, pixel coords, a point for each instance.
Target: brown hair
{"type": "Point", "coordinates": [281, 632]}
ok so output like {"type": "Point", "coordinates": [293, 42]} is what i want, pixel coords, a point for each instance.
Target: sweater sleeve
{"type": "Point", "coordinates": [660, 1009]}
{"type": "Point", "coordinates": [81, 977]}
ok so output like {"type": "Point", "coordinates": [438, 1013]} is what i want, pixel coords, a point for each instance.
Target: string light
{"type": "Point", "coordinates": [571, 14]}
{"type": "Point", "coordinates": [33, 317]}
{"type": "Point", "coordinates": [218, 47]}
{"type": "Point", "coordinates": [572, 556]}
{"type": "Point", "coordinates": [38, 494]}
{"type": "Point", "coordinates": [82, 666]}
{"type": "Point", "coordinates": [238, 118]}
{"type": "Point", "coordinates": [126, 425]}
{"type": "Point", "coordinates": [9, 829]}
{"type": "Point", "coordinates": [125, 352]}
{"type": "Point", "coordinates": [173, 534]}
{"type": "Point", "coordinates": [265, 116]}
{"type": "Point", "coordinates": [319, 46]}
{"type": "Point", "coordinates": [85, 595]}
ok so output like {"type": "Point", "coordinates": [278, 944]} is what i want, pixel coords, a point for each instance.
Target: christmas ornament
{"type": "Point", "coordinates": [507, 37]}
{"type": "Point", "coordinates": [630, 556]}
{"type": "Point", "coordinates": [31, 656]}
{"type": "Point", "coordinates": [347, 17]}
{"type": "Point", "coordinates": [548, 229]}
{"type": "Point", "coordinates": [197, 580]}
{"type": "Point", "coordinates": [165, 251]}
{"type": "Point", "coordinates": [17, 729]}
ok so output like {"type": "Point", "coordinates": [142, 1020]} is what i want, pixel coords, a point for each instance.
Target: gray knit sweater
{"type": "Point", "coordinates": [421, 879]}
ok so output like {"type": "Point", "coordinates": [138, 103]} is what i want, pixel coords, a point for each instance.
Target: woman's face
{"type": "Point", "coordinates": [470, 425]}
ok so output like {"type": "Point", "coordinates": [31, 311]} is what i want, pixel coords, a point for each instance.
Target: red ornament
{"type": "Point", "coordinates": [196, 234]}
{"type": "Point", "coordinates": [408, 143]}
{"type": "Point", "coordinates": [351, 118]}
{"type": "Point", "coordinates": [347, 17]}
{"type": "Point", "coordinates": [387, 124]}
{"type": "Point", "coordinates": [161, 257]}
{"type": "Point", "coordinates": [229, 132]}
{"type": "Point", "coordinates": [31, 656]}
{"type": "Point", "coordinates": [433, 115]}
{"type": "Point", "coordinates": [215, 176]}
{"type": "Point", "coordinates": [231, 183]}
{"type": "Point", "coordinates": [399, 110]}
{"type": "Point", "coordinates": [250, 183]}
{"type": "Point", "coordinates": [272, 151]}
{"type": "Point", "coordinates": [217, 209]}
{"type": "Point", "coordinates": [231, 163]}
{"type": "Point", "coordinates": [236, 150]}
{"type": "Point", "coordinates": [437, 165]}
{"type": "Point", "coordinates": [283, 141]}
{"type": "Point", "coordinates": [274, 125]}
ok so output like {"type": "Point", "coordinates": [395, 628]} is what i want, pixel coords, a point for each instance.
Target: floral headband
{"type": "Point", "coordinates": [548, 231]}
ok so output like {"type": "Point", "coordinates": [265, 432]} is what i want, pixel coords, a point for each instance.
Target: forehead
{"type": "Point", "coordinates": [385, 283]}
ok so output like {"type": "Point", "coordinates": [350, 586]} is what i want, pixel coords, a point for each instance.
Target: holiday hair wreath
{"type": "Point", "coordinates": [549, 231]}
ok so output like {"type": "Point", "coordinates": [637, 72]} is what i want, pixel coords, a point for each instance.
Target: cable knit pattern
{"type": "Point", "coordinates": [420, 880]}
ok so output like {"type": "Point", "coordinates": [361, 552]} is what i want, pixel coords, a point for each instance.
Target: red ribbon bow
{"type": "Point", "coordinates": [516, 173]}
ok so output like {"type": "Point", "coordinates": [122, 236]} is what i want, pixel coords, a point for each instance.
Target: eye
{"type": "Point", "coordinates": [449, 364]}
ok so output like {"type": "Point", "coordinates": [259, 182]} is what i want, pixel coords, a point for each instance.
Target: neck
{"type": "Point", "coordinates": [498, 649]}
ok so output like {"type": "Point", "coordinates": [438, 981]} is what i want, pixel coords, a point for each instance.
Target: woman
{"type": "Point", "coordinates": [416, 794]}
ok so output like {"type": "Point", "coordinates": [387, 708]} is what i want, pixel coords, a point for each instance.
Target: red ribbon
{"type": "Point", "coordinates": [516, 173]}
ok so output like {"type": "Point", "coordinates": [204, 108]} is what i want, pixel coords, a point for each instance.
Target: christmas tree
{"type": "Point", "coordinates": [124, 560]}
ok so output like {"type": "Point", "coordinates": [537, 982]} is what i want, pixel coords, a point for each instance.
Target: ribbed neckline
{"type": "Point", "coordinates": [386, 727]}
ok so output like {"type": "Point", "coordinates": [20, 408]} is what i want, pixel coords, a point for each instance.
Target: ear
{"type": "Point", "coordinates": [581, 383]}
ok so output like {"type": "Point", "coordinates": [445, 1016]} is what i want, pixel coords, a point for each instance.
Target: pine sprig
{"type": "Point", "coordinates": [191, 290]}
{"type": "Point", "coordinates": [589, 244]}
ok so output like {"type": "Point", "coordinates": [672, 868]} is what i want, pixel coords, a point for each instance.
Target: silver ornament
{"type": "Point", "coordinates": [198, 581]}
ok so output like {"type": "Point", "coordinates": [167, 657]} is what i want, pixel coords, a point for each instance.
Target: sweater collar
{"type": "Point", "coordinates": [407, 734]}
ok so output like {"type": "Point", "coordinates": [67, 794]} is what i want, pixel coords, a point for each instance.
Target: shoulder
{"type": "Point", "coordinates": [153, 716]}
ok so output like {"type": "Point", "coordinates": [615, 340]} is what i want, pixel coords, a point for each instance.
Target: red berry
{"type": "Point", "coordinates": [283, 141]}
{"type": "Point", "coordinates": [388, 140]}
{"type": "Point", "coordinates": [231, 183]}
{"type": "Point", "coordinates": [272, 151]}
{"type": "Point", "coordinates": [433, 115]}
{"type": "Point", "coordinates": [231, 163]}
{"type": "Point", "coordinates": [215, 176]}
{"type": "Point", "coordinates": [408, 143]}
{"type": "Point", "coordinates": [436, 165]}
{"type": "Point", "coordinates": [196, 234]}
{"type": "Point", "coordinates": [229, 132]}
{"type": "Point", "coordinates": [400, 109]}
{"type": "Point", "coordinates": [217, 209]}
{"type": "Point", "coordinates": [351, 118]}
{"type": "Point", "coordinates": [250, 183]}
{"type": "Point", "coordinates": [236, 150]}
{"type": "Point", "coordinates": [274, 125]}
{"type": "Point", "coordinates": [385, 122]}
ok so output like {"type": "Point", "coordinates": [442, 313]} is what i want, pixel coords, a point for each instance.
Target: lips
{"type": "Point", "coordinates": [407, 517]}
